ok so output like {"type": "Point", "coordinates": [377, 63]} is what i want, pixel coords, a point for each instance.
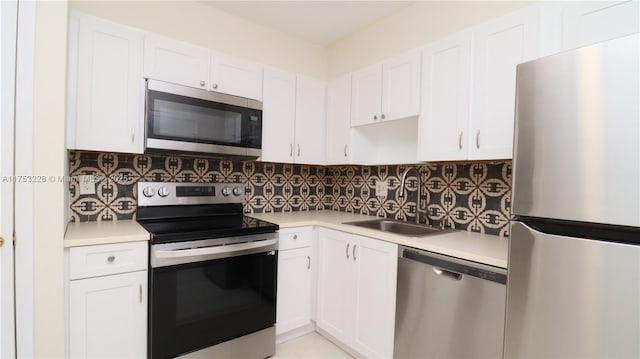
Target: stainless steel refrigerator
{"type": "Point", "coordinates": [573, 288]}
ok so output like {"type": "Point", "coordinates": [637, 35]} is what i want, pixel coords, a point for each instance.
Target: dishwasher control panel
{"type": "Point", "coordinates": [455, 267]}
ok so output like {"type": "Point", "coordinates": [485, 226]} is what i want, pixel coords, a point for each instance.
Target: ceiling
{"type": "Point", "coordinates": [318, 22]}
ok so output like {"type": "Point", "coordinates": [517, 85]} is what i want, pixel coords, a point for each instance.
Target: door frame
{"type": "Point", "coordinates": [23, 191]}
{"type": "Point", "coordinates": [8, 35]}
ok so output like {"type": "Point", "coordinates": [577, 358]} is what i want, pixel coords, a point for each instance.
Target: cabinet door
{"type": "Point", "coordinates": [110, 89]}
{"type": "Point", "coordinates": [586, 23]}
{"type": "Point", "coordinates": [235, 76]}
{"type": "Point", "coordinates": [338, 120]}
{"type": "Point", "coordinates": [108, 316]}
{"type": "Point", "coordinates": [335, 300]}
{"type": "Point", "coordinates": [375, 307]}
{"type": "Point", "coordinates": [499, 45]}
{"type": "Point", "coordinates": [401, 87]}
{"type": "Point", "coordinates": [366, 105]}
{"type": "Point", "coordinates": [446, 87]}
{"type": "Point", "coordinates": [294, 289]}
{"type": "Point", "coordinates": [278, 115]}
{"type": "Point", "coordinates": [176, 62]}
{"type": "Point", "coordinates": [311, 104]}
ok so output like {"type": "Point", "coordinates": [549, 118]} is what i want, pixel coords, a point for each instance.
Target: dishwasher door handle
{"type": "Point", "coordinates": [447, 273]}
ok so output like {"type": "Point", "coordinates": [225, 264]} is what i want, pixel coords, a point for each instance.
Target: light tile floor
{"type": "Point", "coordinates": [310, 346]}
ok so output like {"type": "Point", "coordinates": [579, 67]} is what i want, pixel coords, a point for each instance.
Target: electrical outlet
{"type": "Point", "coordinates": [87, 184]}
{"type": "Point", "coordinates": [381, 188]}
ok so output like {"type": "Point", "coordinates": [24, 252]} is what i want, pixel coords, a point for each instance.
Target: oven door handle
{"type": "Point", "coordinates": [162, 258]}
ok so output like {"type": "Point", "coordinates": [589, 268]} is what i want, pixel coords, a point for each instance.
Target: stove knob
{"type": "Point", "coordinates": [237, 191]}
{"type": "Point", "coordinates": [226, 191]}
{"type": "Point", "coordinates": [163, 191]}
{"type": "Point", "coordinates": [148, 191]}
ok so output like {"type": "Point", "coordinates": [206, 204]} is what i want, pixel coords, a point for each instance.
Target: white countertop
{"type": "Point", "coordinates": [482, 248]}
{"type": "Point", "coordinates": [90, 233]}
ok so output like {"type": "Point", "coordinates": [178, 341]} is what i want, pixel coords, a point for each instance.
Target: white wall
{"type": "Point", "coordinates": [411, 27]}
{"type": "Point", "coordinates": [204, 25]}
{"type": "Point", "coordinates": [40, 211]}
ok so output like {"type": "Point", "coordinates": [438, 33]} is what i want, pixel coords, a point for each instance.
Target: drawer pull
{"type": "Point", "coordinates": [110, 259]}
{"type": "Point", "coordinates": [308, 262]}
{"type": "Point", "coordinates": [295, 236]}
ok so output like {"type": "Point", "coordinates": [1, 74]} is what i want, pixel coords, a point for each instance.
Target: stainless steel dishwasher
{"type": "Point", "coordinates": [448, 307]}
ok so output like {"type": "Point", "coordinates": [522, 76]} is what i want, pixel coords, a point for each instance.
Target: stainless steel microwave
{"type": "Point", "coordinates": [185, 120]}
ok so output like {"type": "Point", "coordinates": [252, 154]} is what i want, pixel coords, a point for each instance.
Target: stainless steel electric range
{"type": "Point", "coordinates": [212, 272]}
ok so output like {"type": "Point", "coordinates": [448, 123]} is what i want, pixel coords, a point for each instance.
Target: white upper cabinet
{"type": "Point", "coordinates": [366, 95]}
{"type": "Point", "coordinates": [311, 104]}
{"type": "Point", "coordinates": [189, 65]}
{"type": "Point", "coordinates": [498, 46]}
{"type": "Point", "coordinates": [106, 87]}
{"type": "Point", "coordinates": [446, 88]}
{"type": "Point", "coordinates": [236, 76]}
{"type": "Point", "coordinates": [570, 24]}
{"type": "Point", "coordinates": [386, 91]}
{"type": "Point", "coordinates": [401, 87]}
{"type": "Point", "coordinates": [585, 22]}
{"type": "Point", "coordinates": [293, 118]}
{"type": "Point", "coordinates": [176, 62]}
{"type": "Point", "coordinates": [338, 120]}
{"type": "Point", "coordinates": [278, 115]}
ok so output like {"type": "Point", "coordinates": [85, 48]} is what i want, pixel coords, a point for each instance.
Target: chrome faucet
{"type": "Point", "coordinates": [401, 193]}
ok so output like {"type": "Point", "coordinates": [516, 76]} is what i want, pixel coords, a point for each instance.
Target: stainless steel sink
{"type": "Point", "coordinates": [398, 227]}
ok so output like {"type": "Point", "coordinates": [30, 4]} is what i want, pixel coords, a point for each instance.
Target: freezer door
{"type": "Point", "coordinates": [571, 298]}
{"type": "Point", "coordinates": [577, 135]}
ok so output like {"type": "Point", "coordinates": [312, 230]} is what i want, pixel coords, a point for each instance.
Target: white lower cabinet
{"type": "Point", "coordinates": [294, 289]}
{"type": "Point", "coordinates": [335, 285]}
{"type": "Point", "coordinates": [357, 291]}
{"type": "Point", "coordinates": [107, 314]}
{"type": "Point", "coordinates": [294, 297]}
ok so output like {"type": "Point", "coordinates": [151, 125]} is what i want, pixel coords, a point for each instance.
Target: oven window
{"type": "Point", "coordinates": [197, 305]}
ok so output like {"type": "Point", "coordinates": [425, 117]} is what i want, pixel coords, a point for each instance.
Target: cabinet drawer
{"type": "Point", "coordinates": [93, 261]}
{"type": "Point", "coordinates": [295, 238]}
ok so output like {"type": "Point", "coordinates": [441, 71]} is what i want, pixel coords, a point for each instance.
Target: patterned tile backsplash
{"type": "Point", "coordinates": [474, 196]}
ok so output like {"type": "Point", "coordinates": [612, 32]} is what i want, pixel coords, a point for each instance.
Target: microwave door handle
{"type": "Point", "coordinates": [206, 253]}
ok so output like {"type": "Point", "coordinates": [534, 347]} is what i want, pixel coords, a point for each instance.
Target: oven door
{"type": "Point", "coordinates": [209, 294]}
{"type": "Point", "coordinates": [181, 118]}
